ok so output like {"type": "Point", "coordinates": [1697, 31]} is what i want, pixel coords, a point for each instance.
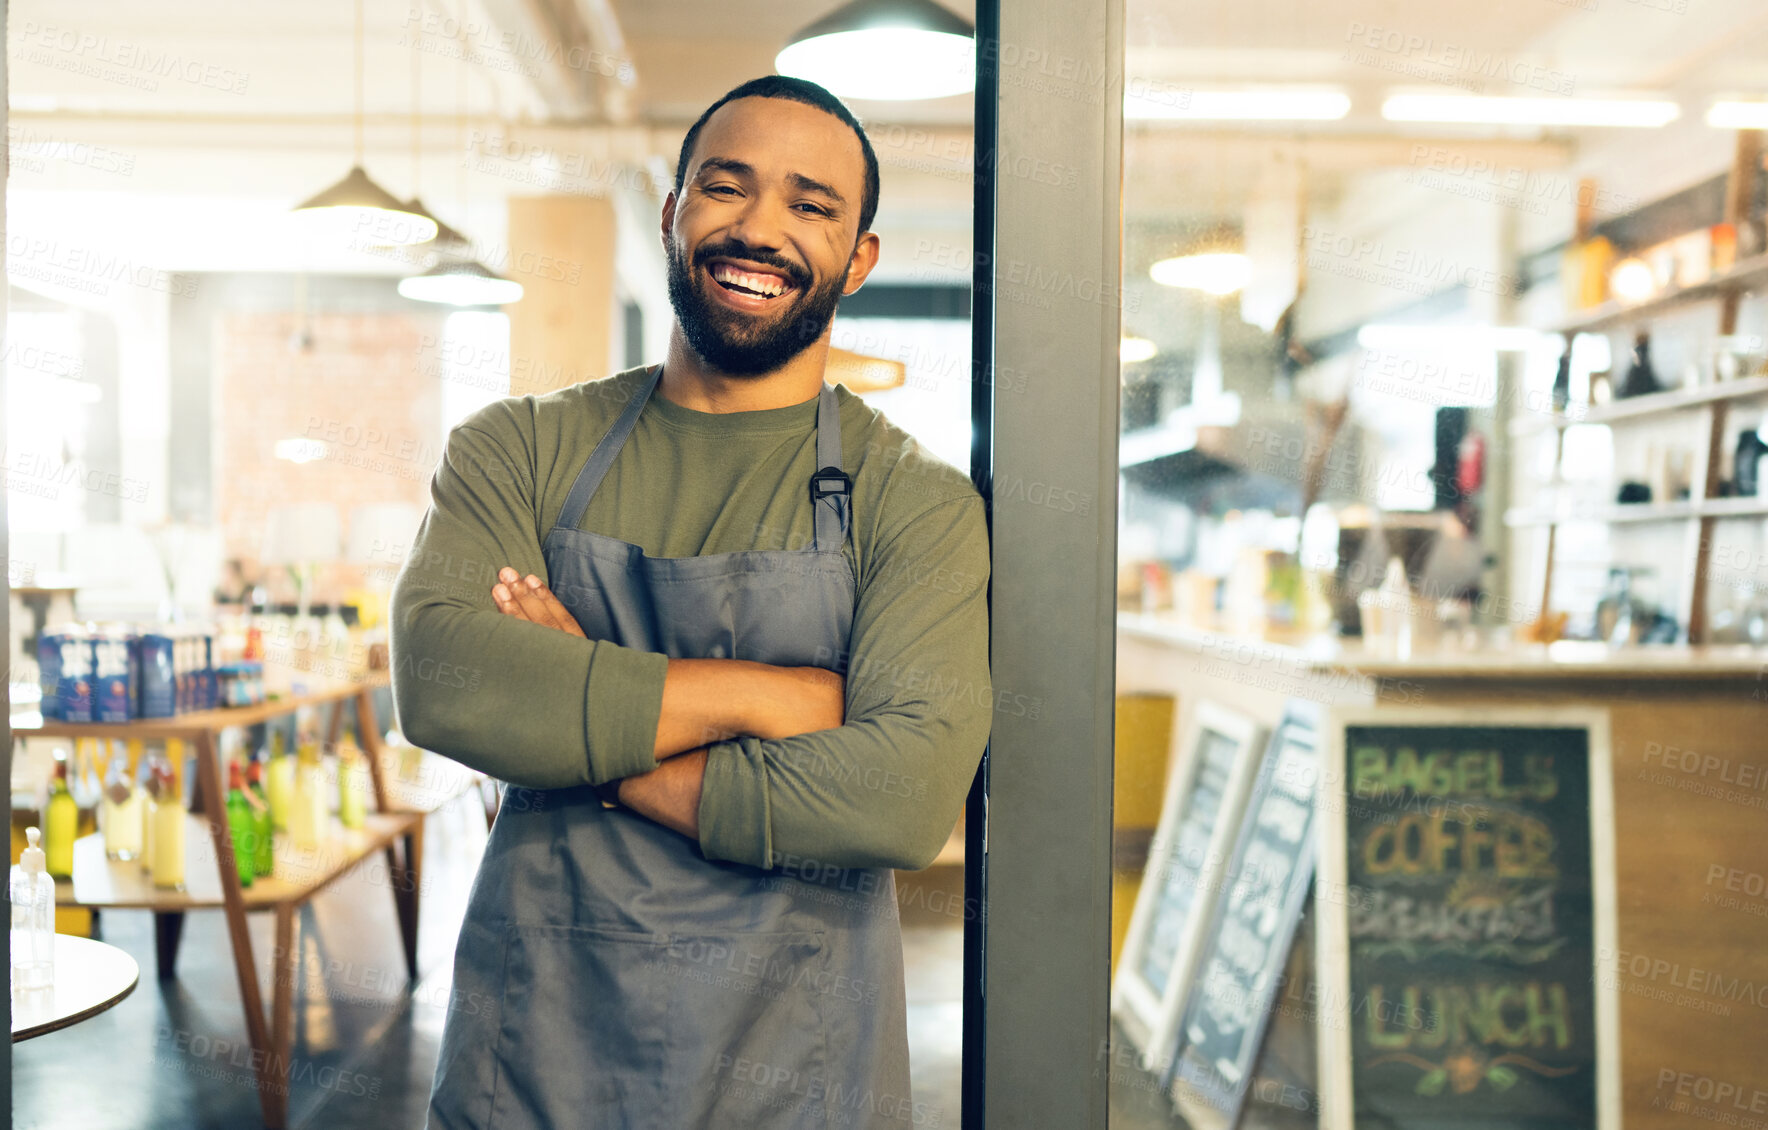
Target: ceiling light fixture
{"type": "Point", "coordinates": [358, 207]}
{"type": "Point", "coordinates": [457, 279]}
{"type": "Point", "coordinates": [446, 239]}
{"type": "Point", "coordinates": [1134, 349]}
{"type": "Point", "coordinates": [1726, 114]}
{"type": "Point", "coordinates": [890, 50]}
{"type": "Point", "coordinates": [1161, 102]}
{"type": "Point", "coordinates": [1636, 113]}
{"type": "Point", "coordinates": [468, 283]}
{"type": "Point", "coordinates": [1213, 272]}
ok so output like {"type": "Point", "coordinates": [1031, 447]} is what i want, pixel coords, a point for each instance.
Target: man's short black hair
{"type": "Point", "coordinates": [793, 90]}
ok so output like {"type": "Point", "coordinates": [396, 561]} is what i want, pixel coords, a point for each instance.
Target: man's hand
{"type": "Point", "coordinates": [527, 598]}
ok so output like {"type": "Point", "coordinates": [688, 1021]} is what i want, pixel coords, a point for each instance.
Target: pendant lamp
{"type": "Point", "coordinates": [894, 50]}
{"type": "Point", "coordinates": [463, 283]}
{"type": "Point", "coordinates": [357, 206]}
{"type": "Point", "coordinates": [456, 279]}
{"type": "Point", "coordinates": [446, 239]}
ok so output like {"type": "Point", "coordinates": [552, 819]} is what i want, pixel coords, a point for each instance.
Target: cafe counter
{"type": "Point", "coordinates": [1688, 753]}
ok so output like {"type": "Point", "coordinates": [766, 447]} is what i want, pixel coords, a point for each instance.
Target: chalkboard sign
{"type": "Point", "coordinates": [1248, 942]}
{"type": "Point", "coordinates": [1206, 792]}
{"type": "Point", "coordinates": [1467, 912]}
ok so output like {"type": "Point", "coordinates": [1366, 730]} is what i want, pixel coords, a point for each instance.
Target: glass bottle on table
{"type": "Point", "coordinates": [61, 824]}
{"type": "Point", "coordinates": [279, 783]}
{"type": "Point", "coordinates": [33, 917]}
{"type": "Point", "coordinates": [144, 781]}
{"type": "Point", "coordinates": [242, 824]}
{"type": "Point", "coordinates": [308, 811]}
{"type": "Point", "coordinates": [123, 811]}
{"type": "Point", "coordinates": [352, 783]}
{"type": "Point", "coordinates": [166, 813]}
{"type": "Point", "coordinates": [263, 859]}
{"type": "Point", "coordinates": [86, 785]}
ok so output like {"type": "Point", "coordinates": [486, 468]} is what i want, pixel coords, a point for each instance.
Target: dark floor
{"type": "Point", "coordinates": [174, 1055]}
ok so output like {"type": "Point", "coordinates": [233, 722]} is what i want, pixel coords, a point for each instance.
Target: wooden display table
{"type": "Point", "coordinates": [89, 978]}
{"type": "Point", "coordinates": [212, 881]}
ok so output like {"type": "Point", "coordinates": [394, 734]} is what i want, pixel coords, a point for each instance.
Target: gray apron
{"type": "Point", "coordinates": [607, 974]}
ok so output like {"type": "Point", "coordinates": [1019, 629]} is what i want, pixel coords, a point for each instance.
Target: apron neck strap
{"type": "Point", "coordinates": [831, 490]}
{"type": "Point", "coordinates": [596, 468]}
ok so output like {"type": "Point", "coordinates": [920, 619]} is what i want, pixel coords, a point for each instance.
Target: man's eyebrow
{"type": "Point", "coordinates": [726, 165]}
{"type": "Point", "coordinates": [806, 184]}
{"type": "Point", "coordinates": [744, 169]}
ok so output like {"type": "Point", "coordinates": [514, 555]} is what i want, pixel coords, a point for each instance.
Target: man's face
{"type": "Point", "coordinates": [764, 238]}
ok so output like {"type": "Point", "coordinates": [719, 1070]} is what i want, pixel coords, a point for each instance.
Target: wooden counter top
{"type": "Point", "coordinates": [1569, 659]}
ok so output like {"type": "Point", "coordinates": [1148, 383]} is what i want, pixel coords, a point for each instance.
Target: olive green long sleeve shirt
{"type": "Point", "coordinates": [543, 709]}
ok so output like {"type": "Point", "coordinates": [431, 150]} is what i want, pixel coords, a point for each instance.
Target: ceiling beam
{"type": "Point", "coordinates": [572, 56]}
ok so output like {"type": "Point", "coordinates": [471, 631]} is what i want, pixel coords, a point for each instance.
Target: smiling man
{"type": "Point", "coordinates": [727, 636]}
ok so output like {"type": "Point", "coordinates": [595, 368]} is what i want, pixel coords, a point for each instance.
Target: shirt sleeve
{"type": "Point", "coordinates": [885, 789]}
{"type": "Point", "coordinates": [529, 705]}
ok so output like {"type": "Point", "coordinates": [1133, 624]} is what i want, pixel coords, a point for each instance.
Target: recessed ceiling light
{"type": "Point", "coordinates": [1157, 102]}
{"type": "Point", "coordinates": [1638, 113]}
{"type": "Point", "coordinates": [1133, 349]}
{"type": "Point", "coordinates": [1738, 115]}
{"type": "Point", "coordinates": [1213, 272]}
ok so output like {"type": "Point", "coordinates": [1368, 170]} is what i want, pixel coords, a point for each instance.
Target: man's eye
{"type": "Point", "coordinates": [814, 209]}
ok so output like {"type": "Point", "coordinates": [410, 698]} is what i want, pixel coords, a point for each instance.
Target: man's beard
{"type": "Point", "coordinates": [757, 344]}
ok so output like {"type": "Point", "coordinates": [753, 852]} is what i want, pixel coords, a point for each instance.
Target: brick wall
{"type": "Point", "coordinates": [366, 387]}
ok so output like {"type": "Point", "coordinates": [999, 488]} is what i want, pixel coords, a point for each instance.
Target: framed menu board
{"type": "Point", "coordinates": [1247, 945]}
{"type": "Point", "coordinates": [1205, 793]}
{"type": "Point", "coordinates": [1467, 921]}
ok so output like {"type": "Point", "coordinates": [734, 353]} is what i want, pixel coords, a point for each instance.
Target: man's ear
{"type": "Point", "coordinates": [668, 227]}
{"type": "Point", "coordinates": [865, 257]}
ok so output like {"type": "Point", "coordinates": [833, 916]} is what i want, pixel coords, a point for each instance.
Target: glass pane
{"type": "Point", "coordinates": [1443, 557]}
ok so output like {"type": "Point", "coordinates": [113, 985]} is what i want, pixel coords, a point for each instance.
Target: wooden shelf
{"type": "Point", "coordinates": [1742, 275]}
{"type": "Point", "coordinates": [1735, 507]}
{"type": "Point", "coordinates": [100, 883]}
{"type": "Point", "coordinates": [1644, 512]}
{"type": "Point", "coordinates": [195, 722]}
{"type": "Point", "coordinates": [1656, 404]}
{"type": "Point", "coordinates": [1517, 661]}
{"type": "Point", "coordinates": [212, 881]}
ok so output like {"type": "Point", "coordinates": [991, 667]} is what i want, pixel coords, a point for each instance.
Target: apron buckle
{"type": "Point", "coordinates": [829, 481]}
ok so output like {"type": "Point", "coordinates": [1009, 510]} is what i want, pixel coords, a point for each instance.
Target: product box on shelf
{"type": "Point", "coordinates": [242, 683]}
{"type": "Point", "coordinates": [211, 680]}
{"type": "Point", "coordinates": [155, 657]}
{"type": "Point", "coordinates": [116, 675]}
{"type": "Point", "coordinates": [49, 673]}
{"type": "Point", "coordinates": [74, 684]}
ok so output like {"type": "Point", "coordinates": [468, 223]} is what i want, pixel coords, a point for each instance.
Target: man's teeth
{"type": "Point", "coordinates": [769, 285]}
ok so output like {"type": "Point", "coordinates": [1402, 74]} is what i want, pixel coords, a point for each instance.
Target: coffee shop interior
{"type": "Point", "coordinates": [1442, 530]}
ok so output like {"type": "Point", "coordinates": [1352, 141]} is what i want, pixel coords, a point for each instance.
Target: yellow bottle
{"type": "Point", "coordinates": [308, 814]}
{"type": "Point", "coordinates": [166, 817]}
{"type": "Point", "coordinates": [352, 785]}
{"type": "Point", "coordinates": [60, 825]}
{"type": "Point", "coordinates": [279, 783]}
{"type": "Point", "coordinates": [123, 808]}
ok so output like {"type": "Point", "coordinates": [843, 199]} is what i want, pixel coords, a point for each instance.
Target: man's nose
{"type": "Point", "coordinates": [760, 225]}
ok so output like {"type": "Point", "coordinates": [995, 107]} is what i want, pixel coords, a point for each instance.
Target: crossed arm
{"type": "Point", "coordinates": [704, 701]}
{"type": "Point", "coordinates": [788, 763]}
